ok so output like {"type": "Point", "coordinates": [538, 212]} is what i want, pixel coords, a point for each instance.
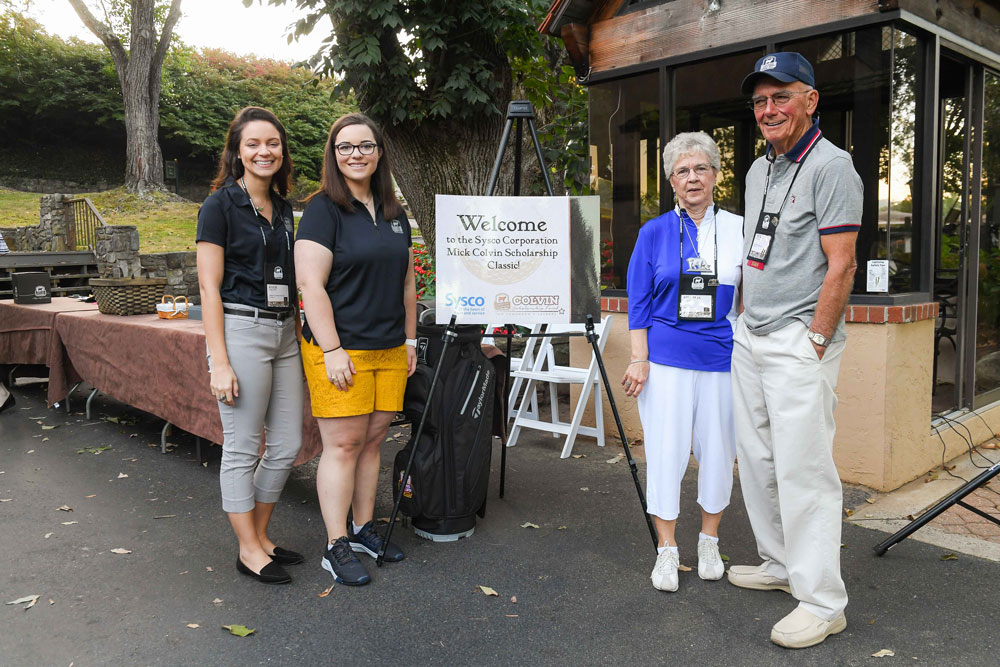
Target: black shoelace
{"type": "Point", "coordinates": [342, 552]}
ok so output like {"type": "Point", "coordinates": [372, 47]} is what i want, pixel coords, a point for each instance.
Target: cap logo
{"type": "Point", "coordinates": [770, 62]}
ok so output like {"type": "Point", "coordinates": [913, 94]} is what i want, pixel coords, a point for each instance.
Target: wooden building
{"type": "Point", "coordinates": [911, 88]}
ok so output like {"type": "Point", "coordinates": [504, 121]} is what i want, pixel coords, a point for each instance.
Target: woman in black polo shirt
{"type": "Point", "coordinates": [249, 311]}
{"type": "Point", "coordinates": [355, 269]}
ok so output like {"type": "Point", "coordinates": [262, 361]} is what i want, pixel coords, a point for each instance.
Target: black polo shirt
{"type": "Point", "coordinates": [228, 219]}
{"type": "Point", "coordinates": [370, 260]}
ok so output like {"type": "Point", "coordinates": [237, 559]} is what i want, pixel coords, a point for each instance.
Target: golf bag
{"type": "Point", "coordinates": [451, 467]}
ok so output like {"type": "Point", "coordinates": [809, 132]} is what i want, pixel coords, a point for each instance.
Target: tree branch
{"type": "Point", "coordinates": [164, 44]}
{"type": "Point", "coordinates": [103, 33]}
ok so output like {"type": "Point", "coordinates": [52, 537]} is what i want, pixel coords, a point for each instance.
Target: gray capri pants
{"type": "Point", "coordinates": [264, 355]}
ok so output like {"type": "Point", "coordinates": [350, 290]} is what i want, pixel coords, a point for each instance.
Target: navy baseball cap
{"type": "Point", "coordinates": [786, 66]}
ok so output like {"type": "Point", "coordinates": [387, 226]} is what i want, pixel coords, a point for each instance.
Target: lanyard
{"type": "Point", "coordinates": [767, 180]}
{"type": "Point", "coordinates": [260, 216]}
{"type": "Point", "coordinates": [715, 247]}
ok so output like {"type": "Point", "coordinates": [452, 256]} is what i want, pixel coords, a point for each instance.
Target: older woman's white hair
{"type": "Point", "coordinates": [690, 143]}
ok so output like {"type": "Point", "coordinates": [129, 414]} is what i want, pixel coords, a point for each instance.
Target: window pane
{"type": "Point", "coordinates": [708, 98]}
{"type": "Point", "coordinates": [624, 165]}
{"type": "Point", "coordinates": [869, 82]}
{"type": "Point", "coordinates": [988, 325]}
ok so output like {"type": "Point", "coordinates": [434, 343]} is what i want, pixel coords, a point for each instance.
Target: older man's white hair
{"type": "Point", "coordinates": [690, 143]}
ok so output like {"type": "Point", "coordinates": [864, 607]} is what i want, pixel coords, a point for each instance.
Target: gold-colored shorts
{"type": "Point", "coordinates": [378, 384]}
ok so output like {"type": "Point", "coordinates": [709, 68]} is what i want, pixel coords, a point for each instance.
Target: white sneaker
{"type": "Point", "coordinates": [802, 628]}
{"type": "Point", "coordinates": [710, 567]}
{"type": "Point", "coordinates": [664, 574]}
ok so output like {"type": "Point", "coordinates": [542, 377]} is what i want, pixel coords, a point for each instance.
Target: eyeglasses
{"type": "Point", "coordinates": [779, 99]}
{"type": "Point", "coordinates": [365, 148]}
{"type": "Point", "coordinates": [699, 170]}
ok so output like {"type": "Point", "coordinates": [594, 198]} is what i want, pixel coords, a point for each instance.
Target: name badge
{"type": "Point", "coordinates": [696, 307]}
{"type": "Point", "coordinates": [277, 296]}
{"type": "Point", "coordinates": [760, 248]}
{"type": "Point", "coordinates": [276, 284]}
{"type": "Point", "coordinates": [699, 265]}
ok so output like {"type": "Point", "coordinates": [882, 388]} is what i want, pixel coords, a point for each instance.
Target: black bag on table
{"type": "Point", "coordinates": [451, 468]}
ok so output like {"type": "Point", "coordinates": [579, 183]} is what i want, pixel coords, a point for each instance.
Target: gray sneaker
{"type": "Point", "coordinates": [345, 567]}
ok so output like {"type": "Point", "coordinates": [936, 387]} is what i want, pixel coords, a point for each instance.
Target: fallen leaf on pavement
{"type": "Point", "coordinates": [239, 630]}
{"type": "Point", "coordinates": [513, 598]}
{"type": "Point", "coordinates": [585, 488]}
{"type": "Point", "coordinates": [528, 524]}
{"type": "Point", "coordinates": [30, 451]}
{"type": "Point", "coordinates": [65, 508]}
{"type": "Point", "coordinates": [69, 523]}
{"type": "Point", "coordinates": [93, 495]}
{"type": "Point", "coordinates": [326, 592]}
{"type": "Point", "coordinates": [511, 615]}
{"type": "Point", "coordinates": [165, 516]}
{"type": "Point", "coordinates": [382, 519]}
{"type": "Point", "coordinates": [848, 511]}
{"type": "Point", "coordinates": [217, 601]}
{"type": "Point", "coordinates": [51, 601]}
{"type": "Point", "coordinates": [561, 528]}
{"type": "Point", "coordinates": [193, 625]}
{"type": "Point", "coordinates": [683, 568]}
{"type": "Point", "coordinates": [122, 475]}
{"type": "Point", "coordinates": [93, 450]}
{"type": "Point", "coordinates": [30, 599]}
{"type": "Point", "coordinates": [113, 420]}
{"type": "Point", "coordinates": [949, 557]}
{"type": "Point", "coordinates": [870, 501]}
{"type": "Point", "coordinates": [724, 558]}
{"type": "Point", "coordinates": [616, 459]}
{"type": "Point", "coordinates": [579, 456]}
{"type": "Point", "coordinates": [119, 550]}
{"type": "Point", "coordinates": [487, 590]}
{"type": "Point", "coordinates": [48, 535]}
{"type": "Point", "coordinates": [884, 653]}
{"type": "Point", "coordinates": [930, 478]}
{"type": "Point", "coordinates": [45, 439]}
{"type": "Point", "coordinates": [5, 500]}
{"type": "Point", "coordinates": [208, 568]}
{"type": "Point", "coordinates": [49, 428]}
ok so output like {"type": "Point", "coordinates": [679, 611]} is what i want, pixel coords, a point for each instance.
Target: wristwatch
{"type": "Point", "coordinates": [817, 338]}
{"type": "Point", "coordinates": [412, 342]}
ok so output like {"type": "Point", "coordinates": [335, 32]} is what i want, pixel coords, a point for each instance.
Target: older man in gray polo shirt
{"type": "Point", "coordinates": [803, 212]}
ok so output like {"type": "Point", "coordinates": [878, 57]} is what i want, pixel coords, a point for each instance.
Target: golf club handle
{"type": "Point", "coordinates": [448, 336]}
{"type": "Point", "coordinates": [592, 337]}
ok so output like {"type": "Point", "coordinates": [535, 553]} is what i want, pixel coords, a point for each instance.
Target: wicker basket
{"type": "Point", "coordinates": [175, 310]}
{"type": "Point", "coordinates": [128, 296]}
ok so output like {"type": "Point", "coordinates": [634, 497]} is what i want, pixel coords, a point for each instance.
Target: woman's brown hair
{"type": "Point", "coordinates": [230, 165]}
{"type": "Point", "coordinates": [332, 182]}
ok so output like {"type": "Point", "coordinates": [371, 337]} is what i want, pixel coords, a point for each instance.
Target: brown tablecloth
{"type": "Point", "coordinates": [158, 366]}
{"type": "Point", "coordinates": [26, 330]}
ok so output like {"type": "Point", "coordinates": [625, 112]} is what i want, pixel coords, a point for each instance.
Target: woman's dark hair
{"type": "Point", "coordinates": [332, 182]}
{"type": "Point", "coordinates": [230, 165]}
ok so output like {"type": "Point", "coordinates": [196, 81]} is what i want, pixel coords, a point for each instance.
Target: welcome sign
{"type": "Point", "coordinates": [517, 260]}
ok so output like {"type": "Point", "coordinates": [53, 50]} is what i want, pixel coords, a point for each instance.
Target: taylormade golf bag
{"type": "Point", "coordinates": [451, 468]}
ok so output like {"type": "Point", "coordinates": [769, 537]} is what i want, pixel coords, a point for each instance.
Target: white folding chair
{"type": "Point", "coordinates": [524, 362]}
{"type": "Point", "coordinates": [544, 369]}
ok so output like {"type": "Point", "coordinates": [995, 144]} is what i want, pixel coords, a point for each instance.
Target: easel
{"type": "Point", "coordinates": [517, 112]}
{"type": "Point", "coordinates": [956, 498]}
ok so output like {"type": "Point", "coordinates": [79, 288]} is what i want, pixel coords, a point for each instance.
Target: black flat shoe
{"type": "Point", "coordinates": [287, 557]}
{"type": "Point", "coordinates": [9, 403]}
{"type": "Point", "coordinates": [272, 573]}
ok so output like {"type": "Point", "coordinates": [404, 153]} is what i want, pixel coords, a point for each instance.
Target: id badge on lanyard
{"type": "Point", "coordinates": [696, 291]}
{"type": "Point", "coordinates": [277, 278]}
{"type": "Point", "coordinates": [767, 221]}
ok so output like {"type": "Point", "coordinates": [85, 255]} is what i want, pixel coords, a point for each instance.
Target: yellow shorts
{"type": "Point", "coordinates": [378, 384]}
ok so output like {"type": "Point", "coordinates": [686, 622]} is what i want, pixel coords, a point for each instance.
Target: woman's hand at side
{"type": "Point", "coordinates": [635, 377]}
{"type": "Point", "coordinates": [224, 383]}
{"type": "Point", "coordinates": [339, 368]}
{"type": "Point", "coordinates": [411, 360]}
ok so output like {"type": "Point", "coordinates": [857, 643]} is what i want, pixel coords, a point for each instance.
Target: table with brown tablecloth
{"type": "Point", "coordinates": [26, 330]}
{"type": "Point", "coordinates": [158, 366]}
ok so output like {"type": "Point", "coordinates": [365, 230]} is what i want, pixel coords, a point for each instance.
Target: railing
{"type": "Point", "coordinates": [82, 222]}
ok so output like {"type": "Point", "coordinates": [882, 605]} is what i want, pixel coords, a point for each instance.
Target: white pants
{"type": "Point", "coordinates": [783, 403]}
{"type": "Point", "coordinates": [681, 410]}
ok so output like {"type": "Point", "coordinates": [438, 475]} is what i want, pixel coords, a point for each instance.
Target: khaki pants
{"type": "Point", "coordinates": [783, 403]}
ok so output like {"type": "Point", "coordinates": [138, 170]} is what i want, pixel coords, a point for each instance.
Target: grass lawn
{"type": "Point", "coordinates": [166, 222]}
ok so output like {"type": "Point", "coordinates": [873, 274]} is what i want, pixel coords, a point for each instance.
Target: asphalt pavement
{"type": "Point", "coordinates": [573, 591]}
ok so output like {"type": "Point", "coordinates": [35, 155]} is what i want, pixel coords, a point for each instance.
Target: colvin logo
{"type": "Point", "coordinates": [536, 300]}
{"type": "Point", "coordinates": [501, 302]}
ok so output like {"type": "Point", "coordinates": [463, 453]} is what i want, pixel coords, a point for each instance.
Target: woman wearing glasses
{"type": "Point", "coordinates": [249, 312]}
{"type": "Point", "coordinates": [355, 270]}
{"type": "Point", "coordinates": [683, 282]}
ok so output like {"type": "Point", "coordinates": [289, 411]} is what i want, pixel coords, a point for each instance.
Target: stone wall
{"type": "Point", "coordinates": [179, 268]}
{"type": "Point", "coordinates": [50, 235]}
{"type": "Point", "coordinates": [9, 235]}
{"type": "Point", "coordinates": [117, 251]}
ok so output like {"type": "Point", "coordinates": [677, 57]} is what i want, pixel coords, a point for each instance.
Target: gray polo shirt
{"type": "Point", "coordinates": [824, 199]}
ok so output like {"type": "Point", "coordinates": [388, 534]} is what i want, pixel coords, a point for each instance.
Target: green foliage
{"type": "Point", "coordinates": [54, 89]}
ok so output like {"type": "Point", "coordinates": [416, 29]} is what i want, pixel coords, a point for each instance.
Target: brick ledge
{"type": "Point", "coordinates": [855, 314]}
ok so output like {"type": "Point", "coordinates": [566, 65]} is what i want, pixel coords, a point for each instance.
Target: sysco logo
{"type": "Point", "coordinates": [453, 300]}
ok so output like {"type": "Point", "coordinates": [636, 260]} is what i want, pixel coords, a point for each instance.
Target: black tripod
{"type": "Point", "coordinates": [517, 112]}
{"type": "Point", "coordinates": [955, 498]}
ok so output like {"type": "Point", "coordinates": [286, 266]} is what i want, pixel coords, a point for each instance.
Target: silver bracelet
{"type": "Point", "coordinates": [638, 361]}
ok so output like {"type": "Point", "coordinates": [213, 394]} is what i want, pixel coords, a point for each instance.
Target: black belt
{"type": "Point", "coordinates": [262, 314]}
